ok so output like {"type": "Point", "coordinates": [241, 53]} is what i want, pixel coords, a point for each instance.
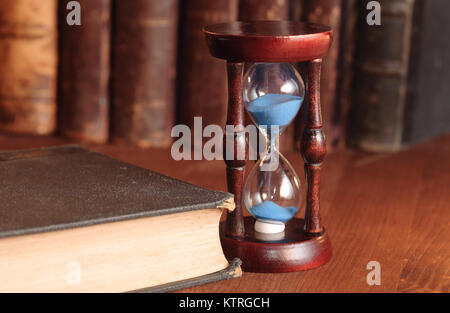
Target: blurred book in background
{"type": "Point", "coordinates": [383, 87]}
{"type": "Point", "coordinates": [254, 10]}
{"type": "Point", "coordinates": [28, 62]}
{"type": "Point", "coordinates": [402, 77]}
{"type": "Point", "coordinates": [84, 72]}
{"type": "Point", "coordinates": [202, 79]}
{"type": "Point", "coordinates": [144, 67]}
{"type": "Point", "coordinates": [347, 47]}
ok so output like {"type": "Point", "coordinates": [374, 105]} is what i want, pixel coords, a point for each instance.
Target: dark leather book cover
{"type": "Point", "coordinates": [65, 187]}
{"type": "Point", "coordinates": [84, 72]}
{"type": "Point", "coordinates": [376, 118]}
{"type": "Point", "coordinates": [327, 12]}
{"type": "Point", "coordinates": [144, 67]}
{"type": "Point", "coordinates": [202, 79]}
{"type": "Point", "coordinates": [427, 110]}
{"type": "Point", "coordinates": [28, 62]}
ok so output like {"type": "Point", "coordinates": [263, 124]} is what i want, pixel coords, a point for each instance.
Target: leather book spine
{"type": "Point", "coordinates": [28, 62]}
{"type": "Point", "coordinates": [347, 45]}
{"type": "Point", "coordinates": [84, 72]}
{"type": "Point", "coordinates": [377, 114]}
{"type": "Point", "coordinates": [202, 79]}
{"type": "Point", "coordinates": [254, 10]}
{"type": "Point", "coordinates": [144, 68]}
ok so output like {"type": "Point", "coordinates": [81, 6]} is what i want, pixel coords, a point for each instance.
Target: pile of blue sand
{"type": "Point", "coordinates": [274, 109]}
{"type": "Point", "coordinates": [271, 211]}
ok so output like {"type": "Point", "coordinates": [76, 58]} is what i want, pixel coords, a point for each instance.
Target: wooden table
{"type": "Point", "coordinates": [389, 208]}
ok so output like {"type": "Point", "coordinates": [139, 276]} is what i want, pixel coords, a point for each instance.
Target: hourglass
{"type": "Point", "coordinates": [273, 239]}
{"type": "Point", "coordinates": [272, 94]}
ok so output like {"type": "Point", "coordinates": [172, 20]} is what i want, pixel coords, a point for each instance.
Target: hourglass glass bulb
{"type": "Point", "coordinates": [272, 197]}
{"type": "Point", "coordinates": [273, 94]}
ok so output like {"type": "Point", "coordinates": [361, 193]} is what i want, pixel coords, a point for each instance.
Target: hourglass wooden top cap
{"type": "Point", "coordinates": [268, 41]}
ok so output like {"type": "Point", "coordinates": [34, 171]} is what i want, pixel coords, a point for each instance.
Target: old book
{"type": "Point", "coordinates": [84, 72]}
{"type": "Point", "coordinates": [376, 121]}
{"type": "Point", "coordinates": [202, 79]}
{"type": "Point", "coordinates": [72, 220]}
{"type": "Point", "coordinates": [327, 12]}
{"type": "Point", "coordinates": [347, 45]}
{"type": "Point", "coordinates": [295, 10]}
{"type": "Point", "coordinates": [28, 62]}
{"type": "Point", "coordinates": [427, 109]}
{"type": "Point", "coordinates": [253, 10]}
{"type": "Point", "coordinates": [144, 67]}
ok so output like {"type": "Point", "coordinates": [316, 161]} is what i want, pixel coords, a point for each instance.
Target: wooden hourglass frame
{"type": "Point", "coordinates": [306, 243]}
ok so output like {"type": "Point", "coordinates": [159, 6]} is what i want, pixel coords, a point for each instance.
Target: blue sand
{"type": "Point", "coordinates": [269, 210]}
{"type": "Point", "coordinates": [274, 109]}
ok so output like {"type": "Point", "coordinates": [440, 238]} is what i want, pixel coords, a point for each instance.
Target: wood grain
{"type": "Point", "coordinates": [390, 208]}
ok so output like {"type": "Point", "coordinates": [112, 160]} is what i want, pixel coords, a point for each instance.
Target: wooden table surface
{"type": "Point", "coordinates": [389, 208]}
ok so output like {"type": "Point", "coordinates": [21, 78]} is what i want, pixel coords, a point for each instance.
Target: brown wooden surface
{"type": "Point", "coordinates": [390, 208]}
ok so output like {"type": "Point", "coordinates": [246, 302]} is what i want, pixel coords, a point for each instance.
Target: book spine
{"type": "Point", "coordinates": [28, 62]}
{"type": "Point", "coordinates": [253, 10]}
{"type": "Point", "coordinates": [428, 110]}
{"type": "Point", "coordinates": [377, 113]}
{"type": "Point", "coordinates": [295, 10]}
{"type": "Point", "coordinates": [84, 72]}
{"type": "Point", "coordinates": [202, 84]}
{"type": "Point", "coordinates": [346, 65]}
{"type": "Point", "coordinates": [144, 67]}
{"type": "Point", "coordinates": [327, 12]}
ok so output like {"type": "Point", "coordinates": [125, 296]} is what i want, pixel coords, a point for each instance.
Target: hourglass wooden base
{"type": "Point", "coordinates": [305, 244]}
{"type": "Point", "coordinates": [296, 251]}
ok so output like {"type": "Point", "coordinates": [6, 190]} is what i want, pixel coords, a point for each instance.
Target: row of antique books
{"type": "Point", "coordinates": [133, 69]}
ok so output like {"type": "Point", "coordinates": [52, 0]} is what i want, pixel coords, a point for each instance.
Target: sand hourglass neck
{"type": "Point", "coordinates": [272, 94]}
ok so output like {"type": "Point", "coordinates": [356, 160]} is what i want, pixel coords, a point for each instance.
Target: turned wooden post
{"type": "Point", "coordinates": [236, 164]}
{"type": "Point", "coordinates": [313, 149]}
